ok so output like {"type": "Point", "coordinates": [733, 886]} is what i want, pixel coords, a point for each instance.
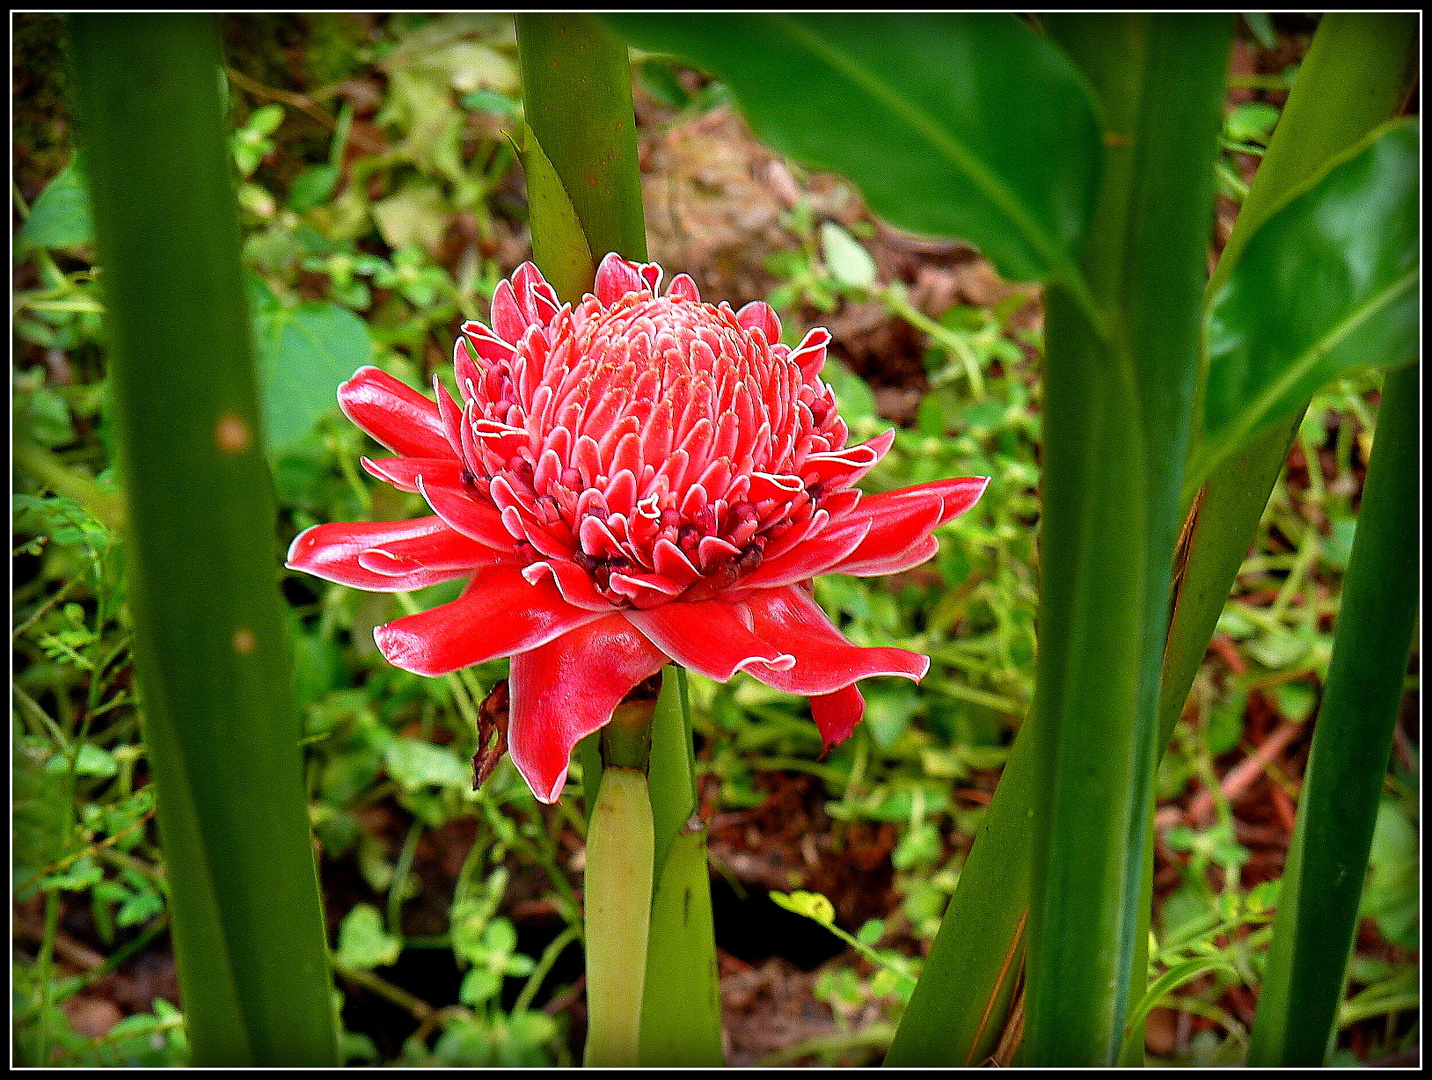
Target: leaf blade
{"type": "Point", "coordinates": [1328, 283]}
{"type": "Point", "coordinates": [937, 156]}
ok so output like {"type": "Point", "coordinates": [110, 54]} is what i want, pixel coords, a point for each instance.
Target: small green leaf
{"type": "Point", "coordinates": [362, 941]}
{"type": "Point", "coordinates": [414, 765]}
{"type": "Point", "coordinates": [1390, 896]}
{"type": "Point", "coordinates": [92, 761]}
{"type": "Point", "coordinates": [811, 905]}
{"type": "Point", "coordinates": [61, 214]}
{"type": "Point", "coordinates": [850, 263]}
{"type": "Point", "coordinates": [304, 353]}
{"type": "Point", "coordinates": [1329, 283]}
{"type": "Point", "coordinates": [1252, 121]}
{"type": "Point", "coordinates": [312, 187]}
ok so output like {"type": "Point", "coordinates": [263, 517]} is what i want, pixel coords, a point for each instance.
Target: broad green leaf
{"type": "Point", "coordinates": [1329, 283]}
{"type": "Point", "coordinates": [211, 650]}
{"type": "Point", "coordinates": [61, 214]}
{"type": "Point", "coordinates": [969, 126]}
{"type": "Point", "coordinates": [304, 353]}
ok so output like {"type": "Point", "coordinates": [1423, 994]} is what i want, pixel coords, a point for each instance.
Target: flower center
{"type": "Point", "coordinates": [657, 444]}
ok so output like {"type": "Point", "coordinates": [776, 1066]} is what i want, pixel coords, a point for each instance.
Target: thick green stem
{"type": "Point", "coordinates": [1327, 862]}
{"type": "Point", "coordinates": [211, 648]}
{"type": "Point", "coordinates": [1117, 414]}
{"type": "Point", "coordinates": [1351, 80]}
{"type": "Point", "coordinates": [576, 86]}
{"type": "Point", "coordinates": [620, 843]}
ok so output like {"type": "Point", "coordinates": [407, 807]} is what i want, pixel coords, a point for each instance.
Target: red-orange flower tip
{"type": "Point", "coordinates": [637, 479]}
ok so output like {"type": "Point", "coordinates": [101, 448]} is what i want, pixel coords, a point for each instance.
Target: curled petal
{"type": "Point", "coordinates": [566, 689]}
{"type": "Point", "coordinates": [394, 413]}
{"type": "Point", "coordinates": [404, 473]}
{"type": "Point", "coordinates": [498, 614]}
{"type": "Point", "coordinates": [709, 636]}
{"type": "Point", "coordinates": [825, 660]}
{"type": "Point", "coordinates": [333, 552]}
{"type": "Point", "coordinates": [837, 713]}
{"type": "Point", "coordinates": [809, 355]}
{"type": "Point", "coordinates": [841, 468]}
{"type": "Point", "coordinates": [574, 583]}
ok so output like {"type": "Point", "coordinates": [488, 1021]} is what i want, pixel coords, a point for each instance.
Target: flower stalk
{"type": "Point", "coordinates": [620, 843]}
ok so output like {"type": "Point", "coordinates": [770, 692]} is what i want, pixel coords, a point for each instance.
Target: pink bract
{"type": "Point", "coordinates": [640, 479]}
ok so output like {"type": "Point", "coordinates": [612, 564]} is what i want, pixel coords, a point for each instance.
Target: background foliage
{"type": "Point", "coordinates": [380, 207]}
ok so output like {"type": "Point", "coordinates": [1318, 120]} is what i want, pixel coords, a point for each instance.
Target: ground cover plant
{"type": "Point", "coordinates": [380, 208]}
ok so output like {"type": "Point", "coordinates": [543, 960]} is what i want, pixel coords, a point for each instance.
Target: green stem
{"type": "Point", "coordinates": [1117, 414]}
{"type": "Point", "coordinates": [576, 85]}
{"type": "Point", "coordinates": [211, 649]}
{"type": "Point", "coordinates": [1327, 862]}
{"type": "Point", "coordinates": [620, 846]}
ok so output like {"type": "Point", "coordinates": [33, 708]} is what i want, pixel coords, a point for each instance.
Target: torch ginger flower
{"type": "Point", "coordinates": [640, 479]}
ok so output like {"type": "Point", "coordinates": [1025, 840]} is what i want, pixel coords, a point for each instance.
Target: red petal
{"type": "Point", "coordinates": [897, 526]}
{"type": "Point", "coordinates": [468, 514]}
{"type": "Point", "coordinates": [683, 288]}
{"type": "Point", "coordinates": [498, 614]}
{"type": "Point", "coordinates": [615, 278]}
{"type": "Point", "coordinates": [420, 561]}
{"type": "Point", "coordinates": [507, 318]}
{"type": "Point", "coordinates": [842, 468]}
{"type": "Point", "coordinates": [394, 413]}
{"type": "Point", "coordinates": [836, 714]}
{"type": "Point", "coordinates": [809, 355]}
{"type": "Point", "coordinates": [405, 472]}
{"type": "Point", "coordinates": [759, 315]}
{"type": "Point", "coordinates": [332, 551]}
{"type": "Point", "coordinates": [816, 555]}
{"type": "Point", "coordinates": [825, 660]}
{"type": "Point", "coordinates": [574, 583]}
{"type": "Point", "coordinates": [922, 552]}
{"type": "Point", "coordinates": [709, 636]}
{"type": "Point", "coordinates": [959, 494]}
{"type": "Point", "coordinates": [567, 689]}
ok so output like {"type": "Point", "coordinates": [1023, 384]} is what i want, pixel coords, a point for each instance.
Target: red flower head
{"type": "Point", "coordinates": [639, 479]}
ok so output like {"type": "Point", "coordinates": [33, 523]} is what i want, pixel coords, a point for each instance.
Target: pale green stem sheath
{"type": "Point", "coordinates": [620, 847]}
